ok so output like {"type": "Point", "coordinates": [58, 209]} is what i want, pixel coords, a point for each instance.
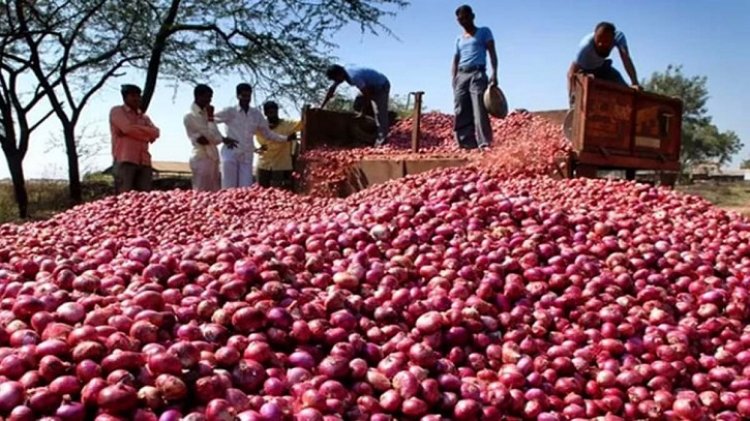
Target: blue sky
{"type": "Point", "coordinates": [536, 41]}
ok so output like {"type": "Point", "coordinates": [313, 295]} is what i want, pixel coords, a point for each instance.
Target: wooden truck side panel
{"type": "Point", "coordinates": [618, 127]}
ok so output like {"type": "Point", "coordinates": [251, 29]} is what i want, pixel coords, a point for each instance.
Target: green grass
{"type": "Point", "coordinates": [734, 196]}
{"type": "Point", "coordinates": [48, 197]}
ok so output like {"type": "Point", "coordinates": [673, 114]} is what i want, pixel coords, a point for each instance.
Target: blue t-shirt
{"type": "Point", "coordinates": [362, 77]}
{"type": "Point", "coordinates": [472, 50]}
{"type": "Point", "coordinates": [587, 57]}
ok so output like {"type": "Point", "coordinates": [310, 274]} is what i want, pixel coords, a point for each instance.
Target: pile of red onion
{"type": "Point", "coordinates": [523, 145]}
{"type": "Point", "coordinates": [456, 294]}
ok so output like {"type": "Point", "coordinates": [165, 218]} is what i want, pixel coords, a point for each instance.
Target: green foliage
{"type": "Point", "coordinates": [74, 48]}
{"type": "Point", "coordinates": [701, 139]}
{"type": "Point", "coordinates": [745, 165]}
{"type": "Point", "coordinates": [280, 47]}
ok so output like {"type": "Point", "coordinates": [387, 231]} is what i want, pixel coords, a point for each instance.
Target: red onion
{"type": "Point", "coordinates": [117, 398]}
{"type": "Point", "coordinates": [12, 394]}
{"type": "Point", "coordinates": [467, 409]}
{"type": "Point", "coordinates": [219, 410]}
{"type": "Point", "coordinates": [44, 401]}
{"type": "Point", "coordinates": [164, 363]}
{"type": "Point", "coordinates": [65, 385]}
{"type": "Point", "coordinates": [71, 411]}
{"type": "Point", "coordinates": [171, 387]}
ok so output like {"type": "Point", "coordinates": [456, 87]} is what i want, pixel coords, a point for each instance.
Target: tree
{"type": "Point", "coordinates": [701, 139]}
{"type": "Point", "coordinates": [745, 165]}
{"type": "Point", "coordinates": [73, 52]}
{"type": "Point", "coordinates": [91, 144]}
{"type": "Point", "coordinates": [17, 105]}
{"type": "Point", "coordinates": [281, 46]}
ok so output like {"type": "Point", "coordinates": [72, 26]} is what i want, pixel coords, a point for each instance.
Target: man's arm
{"type": "Point", "coordinates": [454, 66]}
{"type": "Point", "coordinates": [224, 116]}
{"type": "Point", "coordinates": [572, 72]}
{"type": "Point", "coordinates": [200, 132]}
{"type": "Point", "coordinates": [269, 134]}
{"type": "Point", "coordinates": [629, 67]}
{"type": "Point", "coordinates": [329, 94]}
{"type": "Point", "coordinates": [119, 120]}
{"type": "Point", "coordinates": [493, 61]}
{"type": "Point", "coordinates": [153, 131]}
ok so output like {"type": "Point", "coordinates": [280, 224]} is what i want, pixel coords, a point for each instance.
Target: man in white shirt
{"type": "Point", "coordinates": [242, 122]}
{"type": "Point", "coordinates": [204, 136]}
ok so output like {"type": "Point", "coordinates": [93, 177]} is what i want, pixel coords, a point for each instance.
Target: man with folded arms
{"type": "Point", "coordinates": [132, 132]}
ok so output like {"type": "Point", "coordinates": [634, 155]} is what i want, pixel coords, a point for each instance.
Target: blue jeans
{"type": "Point", "coordinates": [472, 123]}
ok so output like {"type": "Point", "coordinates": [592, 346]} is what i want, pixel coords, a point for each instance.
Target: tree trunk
{"type": "Point", "coordinates": [74, 176]}
{"type": "Point", "coordinates": [15, 165]}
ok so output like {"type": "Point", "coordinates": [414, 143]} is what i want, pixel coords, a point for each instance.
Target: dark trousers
{"type": "Point", "coordinates": [472, 123]}
{"type": "Point", "coordinates": [130, 176]}
{"type": "Point", "coordinates": [608, 73]}
{"type": "Point", "coordinates": [379, 102]}
{"type": "Point", "coordinates": [280, 179]}
{"type": "Point", "coordinates": [603, 72]}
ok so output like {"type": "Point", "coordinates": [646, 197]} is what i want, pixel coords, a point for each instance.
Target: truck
{"type": "Point", "coordinates": [615, 127]}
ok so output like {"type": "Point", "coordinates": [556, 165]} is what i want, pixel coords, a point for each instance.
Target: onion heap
{"type": "Point", "coordinates": [476, 293]}
{"type": "Point", "coordinates": [523, 145]}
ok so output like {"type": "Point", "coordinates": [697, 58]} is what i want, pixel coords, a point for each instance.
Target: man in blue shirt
{"type": "Point", "coordinates": [472, 123]}
{"type": "Point", "coordinates": [593, 52]}
{"type": "Point", "coordinates": [375, 88]}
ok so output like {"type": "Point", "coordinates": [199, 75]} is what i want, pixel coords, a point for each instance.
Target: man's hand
{"type": "Point", "coordinates": [292, 137]}
{"type": "Point", "coordinates": [202, 140]}
{"type": "Point", "coordinates": [262, 149]}
{"type": "Point", "coordinates": [636, 86]}
{"type": "Point", "coordinates": [493, 80]}
{"type": "Point", "coordinates": [231, 143]}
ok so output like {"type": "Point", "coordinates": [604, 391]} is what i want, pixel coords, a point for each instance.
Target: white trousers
{"type": "Point", "coordinates": [236, 173]}
{"type": "Point", "coordinates": [206, 175]}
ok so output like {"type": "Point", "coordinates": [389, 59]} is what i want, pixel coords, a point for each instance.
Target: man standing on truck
{"type": "Point", "coordinates": [276, 164]}
{"type": "Point", "coordinates": [132, 132]}
{"type": "Point", "coordinates": [204, 136]}
{"type": "Point", "coordinates": [592, 59]}
{"type": "Point", "coordinates": [374, 87]}
{"type": "Point", "coordinates": [242, 123]}
{"type": "Point", "coordinates": [472, 123]}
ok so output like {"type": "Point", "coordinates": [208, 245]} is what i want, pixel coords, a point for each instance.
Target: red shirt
{"type": "Point", "coordinates": [132, 131]}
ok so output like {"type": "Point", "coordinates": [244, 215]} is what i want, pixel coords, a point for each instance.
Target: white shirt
{"type": "Point", "coordinates": [242, 126]}
{"type": "Point", "coordinates": [197, 125]}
